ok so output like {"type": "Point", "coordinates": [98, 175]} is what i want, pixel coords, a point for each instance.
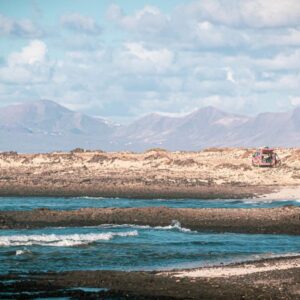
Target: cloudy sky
{"type": "Point", "coordinates": [122, 59]}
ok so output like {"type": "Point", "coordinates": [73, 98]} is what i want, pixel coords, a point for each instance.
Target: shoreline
{"type": "Point", "coordinates": [208, 174]}
{"type": "Point", "coordinates": [247, 267]}
{"type": "Point", "coordinates": [286, 193]}
{"type": "Point", "coordinates": [275, 278]}
{"type": "Point", "coordinates": [263, 193]}
{"type": "Point", "coordinates": [281, 220]}
{"type": "Point", "coordinates": [162, 191]}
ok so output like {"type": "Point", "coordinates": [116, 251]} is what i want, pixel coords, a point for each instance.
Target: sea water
{"type": "Point", "coordinates": [131, 247]}
{"type": "Point", "coordinates": [128, 246]}
{"type": "Point", "coordinates": [58, 203]}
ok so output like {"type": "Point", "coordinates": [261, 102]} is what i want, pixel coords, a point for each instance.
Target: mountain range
{"type": "Point", "coordinates": [44, 126]}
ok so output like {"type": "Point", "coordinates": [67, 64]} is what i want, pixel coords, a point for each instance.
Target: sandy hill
{"type": "Point", "coordinates": [223, 172]}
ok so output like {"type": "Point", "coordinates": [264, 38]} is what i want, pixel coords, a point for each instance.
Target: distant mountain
{"type": "Point", "coordinates": [48, 117]}
{"type": "Point", "coordinates": [203, 127]}
{"type": "Point", "coordinates": [273, 129]}
{"type": "Point", "coordinates": [44, 125]}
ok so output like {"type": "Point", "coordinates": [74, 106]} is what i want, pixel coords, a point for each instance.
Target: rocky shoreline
{"type": "Point", "coordinates": [284, 220]}
{"type": "Point", "coordinates": [209, 174]}
{"type": "Point", "coordinates": [123, 189]}
{"type": "Point", "coordinates": [278, 283]}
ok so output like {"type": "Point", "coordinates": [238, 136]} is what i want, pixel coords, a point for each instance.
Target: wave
{"type": "Point", "coordinates": [263, 256]}
{"type": "Point", "coordinates": [97, 198]}
{"type": "Point", "coordinates": [261, 201]}
{"type": "Point", "coordinates": [21, 252]}
{"type": "Point", "coordinates": [90, 197]}
{"type": "Point", "coordinates": [175, 225]}
{"type": "Point", "coordinates": [56, 240]}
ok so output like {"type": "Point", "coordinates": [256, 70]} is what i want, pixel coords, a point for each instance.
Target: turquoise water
{"type": "Point", "coordinates": [130, 247]}
{"type": "Point", "coordinates": [29, 203]}
{"type": "Point", "coordinates": [125, 247]}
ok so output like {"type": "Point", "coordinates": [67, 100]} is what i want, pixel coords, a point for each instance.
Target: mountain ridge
{"type": "Point", "coordinates": [44, 126]}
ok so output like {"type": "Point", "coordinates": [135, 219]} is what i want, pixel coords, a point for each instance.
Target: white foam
{"type": "Point", "coordinates": [20, 252]}
{"type": "Point", "coordinates": [268, 201]}
{"type": "Point", "coordinates": [97, 198]}
{"type": "Point", "coordinates": [91, 198]}
{"type": "Point", "coordinates": [60, 240]}
{"type": "Point", "coordinates": [23, 251]}
{"type": "Point", "coordinates": [174, 225]}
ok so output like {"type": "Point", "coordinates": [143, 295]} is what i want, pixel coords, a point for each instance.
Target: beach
{"type": "Point", "coordinates": [237, 272]}
{"type": "Point", "coordinates": [266, 279]}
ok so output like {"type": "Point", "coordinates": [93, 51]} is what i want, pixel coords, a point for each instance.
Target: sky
{"type": "Point", "coordinates": [124, 59]}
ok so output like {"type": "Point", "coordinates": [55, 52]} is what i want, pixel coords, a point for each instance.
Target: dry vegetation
{"type": "Point", "coordinates": [214, 166]}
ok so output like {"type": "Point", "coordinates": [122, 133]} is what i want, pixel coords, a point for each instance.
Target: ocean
{"type": "Point", "coordinates": [58, 203]}
{"type": "Point", "coordinates": [131, 247]}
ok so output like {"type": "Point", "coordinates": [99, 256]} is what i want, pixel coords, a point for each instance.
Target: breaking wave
{"type": "Point", "coordinates": [175, 225]}
{"type": "Point", "coordinates": [21, 252]}
{"type": "Point", "coordinates": [56, 240]}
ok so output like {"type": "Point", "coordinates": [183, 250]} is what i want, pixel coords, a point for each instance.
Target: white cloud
{"type": "Point", "coordinates": [287, 60]}
{"type": "Point", "coordinates": [229, 75]}
{"type": "Point", "coordinates": [79, 23]}
{"type": "Point", "coordinates": [21, 28]}
{"type": "Point", "coordinates": [295, 101]}
{"type": "Point", "coordinates": [158, 59]}
{"type": "Point", "coordinates": [35, 52]}
{"type": "Point", "coordinates": [155, 56]}
{"type": "Point", "coordinates": [149, 19]}
{"type": "Point", "coordinates": [209, 35]}
{"type": "Point", "coordinates": [270, 13]}
{"type": "Point", "coordinates": [209, 24]}
{"type": "Point", "coordinates": [252, 13]}
{"type": "Point", "coordinates": [28, 65]}
{"type": "Point", "coordinates": [222, 53]}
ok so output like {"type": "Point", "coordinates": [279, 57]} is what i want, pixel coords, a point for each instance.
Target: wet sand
{"type": "Point", "coordinates": [283, 220]}
{"type": "Point", "coordinates": [274, 283]}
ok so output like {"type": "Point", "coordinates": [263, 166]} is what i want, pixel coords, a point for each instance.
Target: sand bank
{"type": "Point", "coordinates": [286, 193]}
{"type": "Point", "coordinates": [269, 283]}
{"type": "Point", "coordinates": [242, 269]}
{"type": "Point", "coordinates": [284, 220]}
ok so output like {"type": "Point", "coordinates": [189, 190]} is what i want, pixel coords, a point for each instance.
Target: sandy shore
{"type": "Point", "coordinates": [284, 220]}
{"type": "Point", "coordinates": [286, 193]}
{"type": "Point", "coordinates": [242, 269]}
{"type": "Point", "coordinates": [207, 174]}
{"type": "Point", "coordinates": [272, 279]}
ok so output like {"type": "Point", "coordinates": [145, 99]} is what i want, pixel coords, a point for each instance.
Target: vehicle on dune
{"type": "Point", "coordinates": [265, 157]}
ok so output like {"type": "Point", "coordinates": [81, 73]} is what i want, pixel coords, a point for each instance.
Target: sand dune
{"type": "Point", "coordinates": [211, 173]}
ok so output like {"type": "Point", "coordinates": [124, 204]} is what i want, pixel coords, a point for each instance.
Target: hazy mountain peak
{"type": "Point", "coordinates": [47, 117]}
{"type": "Point", "coordinates": [45, 125]}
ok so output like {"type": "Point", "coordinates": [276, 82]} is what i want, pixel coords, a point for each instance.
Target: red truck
{"type": "Point", "coordinates": [265, 157]}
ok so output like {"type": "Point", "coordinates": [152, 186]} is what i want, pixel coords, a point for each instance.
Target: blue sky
{"type": "Point", "coordinates": [124, 59]}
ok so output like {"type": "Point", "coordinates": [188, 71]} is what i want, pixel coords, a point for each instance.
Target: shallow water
{"type": "Point", "coordinates": [129, 247]}
{"type": "Point", "coordinates": [29, 203]}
